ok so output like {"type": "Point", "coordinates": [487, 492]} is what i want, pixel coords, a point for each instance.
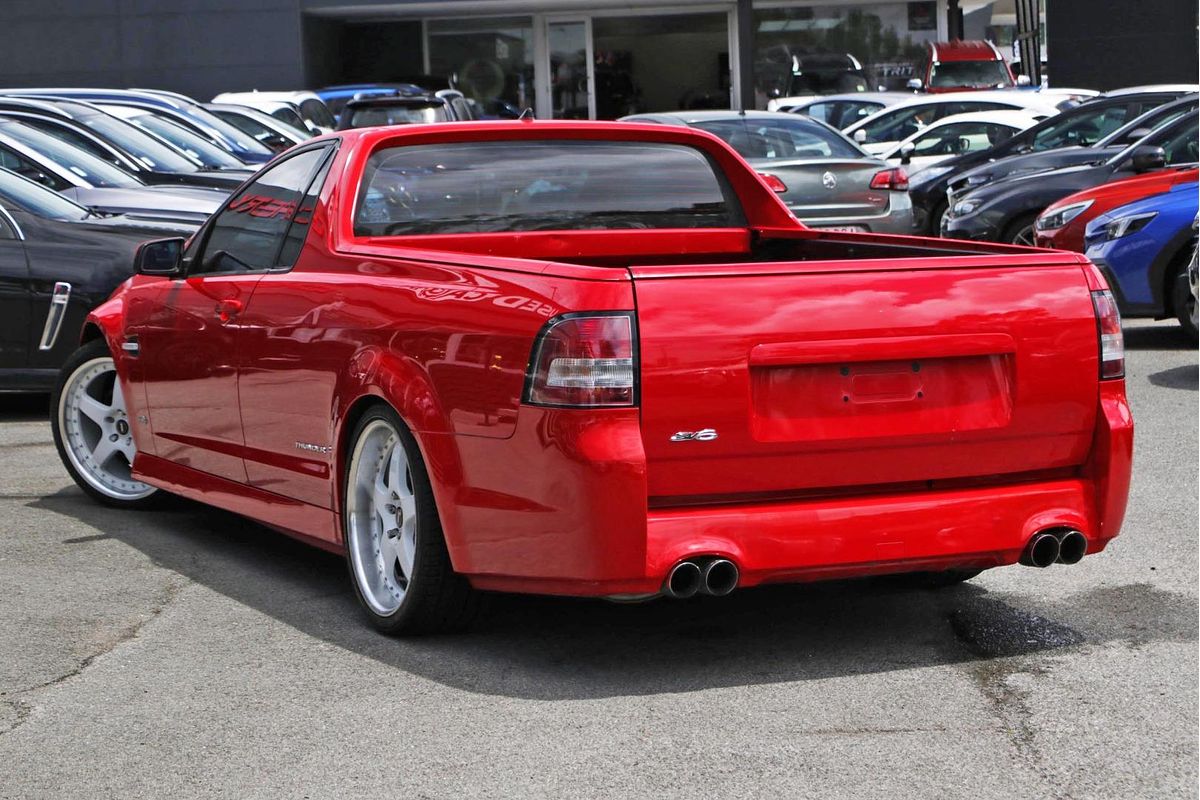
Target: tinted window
{"type": "Point", "coordinates": [973, 74]}
{"type": "Point", "coordinates": [1180, 147]}
{"type": "Point", "coordinates": [1142, 125]}
{"type": "Point", "coordinates": [194, 145]}
{"type": "Point", "coordinates": [1082, 129]}
{"type": "Point", "coordinates": [248, 232]}
{"type": "Point", "coordinates": [540, 185]}
{"type": "Point", "coordinates": [72, 137]}
{"type": "Point", "coordinates": [369, 116]}
{"type": "Point", "coordinates": [960, 137]}
{"type": "Point", "coordinates": [137, 143]}
{"type": "Point", "coordinates": [288, 114]}
{"type": "Point", "coordinates": [760, 139]}
{"type": "Point", "coordinates": [317, 113]}
{"type": "Point", "coordinates": [90, 169]}
{"type": "Point", "coordinates": [14, 161]}
{"type": "Point", "coordinates": [37, 199]}
{"type": "Point", "coordinates": [842, 113]}
{"type": "Point", "coordinates": [297, 231]}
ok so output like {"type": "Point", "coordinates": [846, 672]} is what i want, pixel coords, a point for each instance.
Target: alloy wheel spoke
{"type": "Point", "coordinates": [118, 395]}
{"type": "Point", "coordinates": [397, 467]}
{"type": "Point", "coordinates": [380, 498]}
{"type": "Point", "coordinates": [104, 450]}
{"type": "Point", "coordinates": [93, 409]}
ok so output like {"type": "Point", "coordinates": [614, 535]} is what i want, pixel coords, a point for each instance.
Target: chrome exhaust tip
{"type": "Point", "coordinates": [720, 577]}
{"type": "Point", "coordinates": [1072, 547]}
{"type": "Point", "coordinates": [683, 581]}
{"type": "Point", "coordinates": [1042, 550]}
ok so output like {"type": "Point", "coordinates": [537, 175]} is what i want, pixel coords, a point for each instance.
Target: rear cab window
{"type": "Point", "coordinates": [534, 185]}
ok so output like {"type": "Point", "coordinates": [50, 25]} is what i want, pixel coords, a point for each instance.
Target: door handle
{"type": "Point", "coordinates": [228, 309]}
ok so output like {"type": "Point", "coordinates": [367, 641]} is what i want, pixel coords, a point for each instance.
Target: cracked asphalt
{"type": "Point", "coordinates": [189, 653]}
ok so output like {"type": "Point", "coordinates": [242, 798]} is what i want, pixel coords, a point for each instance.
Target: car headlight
{"type": "Point", "coordinates": [964, 207]}
{"type": "Point", "coordinates": [1124, 226]}
{"type": "Point", "coordinates": [1053, 219]}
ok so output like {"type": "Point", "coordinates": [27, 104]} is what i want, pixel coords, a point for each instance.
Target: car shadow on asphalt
{"type": "Point", "coordinates": [1185, 377]}
{"type": "Point", "coordinates": [556, 648]}
{"type": "Point", "coordinates": [24, 407]}
{"type": "Point", "coordinates": [1165, 336]}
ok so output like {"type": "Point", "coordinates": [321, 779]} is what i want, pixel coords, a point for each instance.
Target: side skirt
{"type": "Point", "coordinates": [313, 524]}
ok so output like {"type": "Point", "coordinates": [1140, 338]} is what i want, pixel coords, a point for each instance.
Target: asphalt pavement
{"type": "Point", "coordinates": [189, 653]}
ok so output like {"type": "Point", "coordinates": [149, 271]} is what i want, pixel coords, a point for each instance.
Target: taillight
{"type": "Point", "coordinates": [1112, 341]}
{"type": "Point", "coordinates": [773, 182]}
{"type": "Point", "coordinates": [584, 360]}
{"type": "Point", "coordinates": [894, 179]}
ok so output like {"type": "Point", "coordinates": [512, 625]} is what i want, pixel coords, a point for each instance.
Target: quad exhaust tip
{"type": "Point", "coordinates": [712, 576]}
{"type": "Point", "coordinates": [1063, 546]}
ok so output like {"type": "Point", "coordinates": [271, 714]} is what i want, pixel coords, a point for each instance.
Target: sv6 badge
{"type": "Point", "coordinates": [706, 435]}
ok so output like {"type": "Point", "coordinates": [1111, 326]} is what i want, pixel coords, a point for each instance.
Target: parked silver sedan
{"type": "Point", "coordinates": [825, 179]}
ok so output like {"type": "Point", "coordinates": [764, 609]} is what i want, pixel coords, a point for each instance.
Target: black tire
{"type": "Point", "coordinates": [1183, 304]}
{"type": "Point", "coordinates": [935, 218]}
{"type": "Point", "coordinates": [934, 580]}
{"type": "Point", "coordinates": [1020, 226]}
{"type": "Point", "coordinates": [436, 599]}
{"type": "Point", "coordinates": [89, 354]}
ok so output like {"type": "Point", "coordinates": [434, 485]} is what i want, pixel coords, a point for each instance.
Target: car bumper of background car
{"type": "Point", "coordinates": [976, 227]}
{"type": "Point", "coordinates": [574, 519]}
{"type": "Point", "coordinates": [897, 220]}
{"type": "Point", "coordinates": [1138, 306]}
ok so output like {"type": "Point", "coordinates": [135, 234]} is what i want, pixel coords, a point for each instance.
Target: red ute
{"type": "Point", "coordinates": [599, 359]}
{"type": "Point", "coordinates": [960, 66]}
{"type": "Point", "coordinates": [1062, 224]}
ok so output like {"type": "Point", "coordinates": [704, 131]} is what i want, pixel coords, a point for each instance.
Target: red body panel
{"type": "Point", "coordinates": [836, 456]}
{"type": "Point", "coordinates": [1104, 198]}
{"type": "Point", "coordinates": [960, 50]}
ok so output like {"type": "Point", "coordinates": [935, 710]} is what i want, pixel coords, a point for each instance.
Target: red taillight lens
{"type": "Point", "coordinates": [1112, 340]}
{"type": "Point", "coordinates": [584, 360]}
{"type": "Point", "coordinates": [773, 182]}
{"type": "Point", "coordinates": [894, 180]}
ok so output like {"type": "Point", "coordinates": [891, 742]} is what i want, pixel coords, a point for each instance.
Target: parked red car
{"type": "Point", "coordinates": [598, 359]}
{"type": "Point", "coordinates": [1062, 224]}
{"type": "Point", "coordinates": [960, 66]}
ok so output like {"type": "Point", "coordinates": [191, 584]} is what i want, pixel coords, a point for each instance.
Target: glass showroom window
{"type": "Point", "coordinates": [490, 60]}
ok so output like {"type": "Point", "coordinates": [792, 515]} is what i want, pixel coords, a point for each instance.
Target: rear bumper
{"type": "Point", "coordinates": [897, 220]}
{"type": "Point", "coordinates": [573, 520]}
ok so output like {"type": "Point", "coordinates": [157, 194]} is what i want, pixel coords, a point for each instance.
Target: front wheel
{"type": "Point", "coordinates": [395, 549]}
{"type": "Point", "coordinates": [1021, 231]}
{"type": "Point", "coordinates": [92, 429]}
{"type": "Point", "coordinates": [1184, 304]}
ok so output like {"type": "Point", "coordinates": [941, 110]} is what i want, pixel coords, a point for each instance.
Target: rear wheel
{"type": "Point", "coordinates": [1183, 302]}
{"type": "Point", "coordinates": [1021, 231]}
{"type": "Point", "coordinates": [92, 429]}
{"type": "Point", "coordinates": [936, 216]}
{"type": "Point", "coordinates": [395, 549]}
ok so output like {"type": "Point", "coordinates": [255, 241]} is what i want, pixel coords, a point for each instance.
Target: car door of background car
{"type": "Point", "coordinates": [284, 383]}
{"type": "Point", "coordinates": [15, 297]}
{"type": "Point", "coordinates": [187, 330]}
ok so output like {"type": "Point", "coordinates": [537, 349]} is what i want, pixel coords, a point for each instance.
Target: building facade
{"type": "Point", "coordinates": [562, 58]}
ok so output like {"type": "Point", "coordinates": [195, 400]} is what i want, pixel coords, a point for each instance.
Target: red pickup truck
{"type": "Point", "coordinates": [598, 359]}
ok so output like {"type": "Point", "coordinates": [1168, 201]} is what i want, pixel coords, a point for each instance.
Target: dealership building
{"type": "Point", "coordinates": [579, 58]}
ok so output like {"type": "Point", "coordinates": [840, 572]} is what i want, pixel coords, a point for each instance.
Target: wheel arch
{"type": "Point", "coordinates": [1162, 276]}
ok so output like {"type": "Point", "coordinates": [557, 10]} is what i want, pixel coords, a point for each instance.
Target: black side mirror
{"type": "Point", "coordinates": [162, 257]}
{"type": "Point", "coordinates": [1147, 157]}
{"type": "Point", "coordinates": [906, 152]}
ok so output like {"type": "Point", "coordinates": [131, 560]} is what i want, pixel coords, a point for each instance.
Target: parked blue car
{"type": "Point", "coordinates": [1144, 249]}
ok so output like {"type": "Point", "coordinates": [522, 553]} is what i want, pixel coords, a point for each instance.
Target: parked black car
{"type": "Point", "coordinates": [401, 109]}
{"type": "Point", "coordinates": [58, 261]}
{"type": "Point", "coordinates": [1005, 210]}
{"type": "Point", "coordinates": [1103, 121]}
{"type": "Point", "coordinates": [118, 142]}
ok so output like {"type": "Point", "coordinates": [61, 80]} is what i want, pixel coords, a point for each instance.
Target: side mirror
{"type": "Point", "coordinates": [915, 84]}
{"type": "Point", "coordinates": [962, 145]}
{"type": "Point", "coordinates": [1023, 80]}
{"type": "Point", "coordinates": [860, 136]}
{"type": "Point", "coordinates": [1147, 157]}
{"type": "Point", "coordinates": [906, 151]}
{"type": "Point", "coordinates": [163, 257]}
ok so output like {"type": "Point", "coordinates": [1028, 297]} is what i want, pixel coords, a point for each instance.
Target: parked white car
{"type": "Point", "coordinates": [958, 134]}
{"type": "Point", "coordinates": [311, 108]}
{"type": "Point", "coordinates": [883, 130]}
{"type": "Point", "coordinates": [842, 110]}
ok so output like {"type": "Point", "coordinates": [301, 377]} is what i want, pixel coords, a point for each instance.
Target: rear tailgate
{"type": "Point", "coordinates": [825, 375]}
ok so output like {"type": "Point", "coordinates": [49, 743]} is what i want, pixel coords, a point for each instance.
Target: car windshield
{"type": "Point", "coordinates": [214, 123]}
{"type": "Point", "coordinates": [482, 187]}
{"type": "Point", "coordinates": [397, 114]}
{"type": "Point", "coordinates": [758, 139]}
{"type": "Point", "coordinates": [317, 113]}
{"type": "Point", "coordinates": [146, 149]}
{"type": "Point", "coordinates": [1178, 141]}
{"type": "Point", "coordinates": [900, 123]}
{"type": "Point", "coordinates": [37, 199]}
{"type": "Point", "coordinates": [1082, 128]}
{"type": "Point", "coordinates": [93, 170]}
{"type": "Point", "coordinates": [956, 138]}
{"type": "Point", "coordinates": [195, 146]}
{"type": "Point", "coordinates": [973, 74]}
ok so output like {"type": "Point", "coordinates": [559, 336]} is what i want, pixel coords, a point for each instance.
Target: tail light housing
{"type": "Point", "coordinates": [1112, 340]}
{"type": "Point", "coordinates": [584, 360]}
{"type": "Point", "coordinates": [773, 182]}
{"type": "Point", "coordinates": [894, 180]}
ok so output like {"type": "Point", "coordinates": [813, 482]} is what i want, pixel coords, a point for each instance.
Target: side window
{"type": "Point", "coordinates": [248, 233]}
{"type": "Point", "coordinates": [297, 232]}
{"type": "Point", "coordinates": [17, 163]}
{"type": "Point", "coordinates": [821, 111]}
{"type": "Point", "coordinates": [1182, 147]}
{"type": "Point", "coordinates": [73, 137]}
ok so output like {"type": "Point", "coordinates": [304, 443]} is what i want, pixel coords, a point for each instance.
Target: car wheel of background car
{"type": "Point", "coordinates": [934, 580]}
{"type": "Point", "coordinates": [1021, 231]}
{"type": "Point", "coordinates": [92, 429]}
{"type": "Point", "coordinates": [1183, 303]}
{"type": "Point", "coordinates": [395, 549]}
{"type": "Point", "coordinates": [936, 217]}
